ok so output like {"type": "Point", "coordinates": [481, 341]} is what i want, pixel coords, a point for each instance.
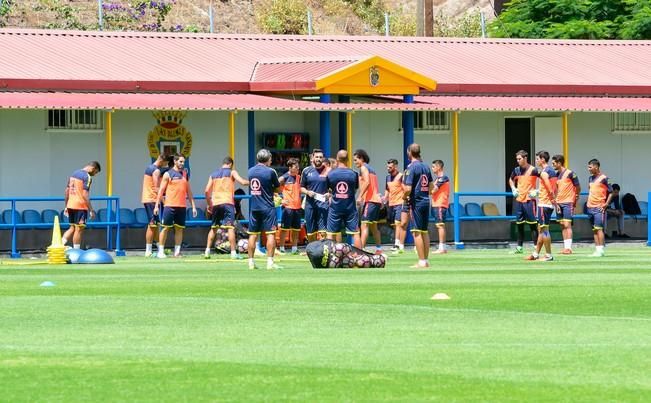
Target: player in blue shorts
{"type": "Point", "coordinates": [263, 182]}
{"type": "Point", "coordinates": [417, 183]}
{"type": "Point", "coordinates": [600, 195]}
{"type": "Point", "coordinates": [343, 183]}
{"type": "Point", "coordinates": [313, 186]}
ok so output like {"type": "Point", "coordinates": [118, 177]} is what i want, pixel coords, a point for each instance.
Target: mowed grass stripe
{"type": "Point", "coordinates": [149, 330]}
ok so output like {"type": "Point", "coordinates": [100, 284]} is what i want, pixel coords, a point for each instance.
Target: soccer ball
{"type": "Point", "coordinates": [242, 246]}
{"type": "Point", "coordinates": [378, 261]}
{"type": "Point", "coordinates": [339, 249]}
{"type": "Point", "coordinates": [334, 262]}
{"type": "Point", "coordinates": [346, 261]}
{"type": "Point", "coordinates": [363, 261]}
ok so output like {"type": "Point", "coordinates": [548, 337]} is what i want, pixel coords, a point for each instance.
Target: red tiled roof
{"type": "Point", "coordinates": [39, 59]}
{"type": "Point", "coordinates": [251, 102]}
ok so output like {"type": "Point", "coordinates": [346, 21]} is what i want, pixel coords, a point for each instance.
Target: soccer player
{"type": "Point", "coordinates": [567, 195]}
{"type": "Point", "coordinates": [150, 184]}
{"type": "Point", "coordinates": [523, 182]}
{"type": "Point", "coordinates": [343, 182]}
{"type": "Point", "coordinates": [369, 199]}
{"type": "Point", "coordinates": [77, 201]}
{"type": "Point", "coordinates": [440, 202]}
{"type": "Point", "coordinates": [600, 194]}
{"type": "Point", "coordinates": [291, 217]}
{"type": "Point", "coordinates": [417, 184]}
{"type": "Point", "coordinates": [393, 195]}
{"type": "Point", "coordinates": [220, 200]}
{"type": "Point", "coordinates": [263, 182]}
{"type": "Point", "coordinates": [546, 204]}
{"type": "Point", "coordinates": [176, 189]}
{"type": "Point", "coordinates": [313, 186]}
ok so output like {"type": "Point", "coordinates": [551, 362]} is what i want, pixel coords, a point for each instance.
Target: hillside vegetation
{"type": "Point", "coordinates": [329, 17]}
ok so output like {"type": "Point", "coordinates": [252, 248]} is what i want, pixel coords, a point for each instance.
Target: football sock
{"type": "Point", "coordinates": [207, 253]}
{"type": "Point", "coordinates": [161, 249]}
{"type": "Point", "coordinates": [77, 246]}
{"type": "Point", "coordinates": [177, 249]}
{"type": "Point", "coordinates": [148, 248]}
{"type": "Point", "coordinates": [233, 253]}
{"type": "Point", "coordinates": [270, 261]}
{"type": "Point", "coordinates": [64, 241]}
{"type": "Point", "coordinates": [567, 243]}
{"type": "Point", "coordinates": [294, 248]}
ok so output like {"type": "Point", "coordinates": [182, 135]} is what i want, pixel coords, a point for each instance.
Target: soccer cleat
{"type": "Point", "coordinates": [398, 251]}
{"type": "Point", "coordinates": [598, 254]}
{"type": "Point", "coordinates": [440, 252]}
{"type": "Point", "coordinates": [237, 257]}
{"type": "Point", "coordinates": [280, 252]}
{"type": "Point", "coordinates": [149, 254]}
{"type": "Point", "coordinates": [547, 258]}
{"type": "Point", "coordinates": [566, 251]}
{"type": "Point", "coordinates": [517, 251]}
{"type": "Point", "coordinates": [419, 266]}
{"type": "Point", "coordinates": [295, 253]}
{"type": "Point", "coordinates": [274, 267]}
{"type": "Point", "coordinates": [394, 248]}
{"type": "Point", "coordinates": [253, 266]}
{"type": "Point", "coordinates": [206, 256]}
{"type": "Point", "coordinates": [178, 256]}
{"type": "Point", "coordinates": [531, 257]}
{"type": "Point", "coordinates": [161, 255]}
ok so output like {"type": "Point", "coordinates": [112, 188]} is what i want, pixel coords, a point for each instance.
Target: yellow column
{"type": "Point", "coordinates": [566, 146]}
{"type": "Point", "coordinates": [455, 149]}
{"type": "Point", "coordinates": [109, 153]}
{"type": "Point", "coordinates": [231, 127]}
{"type": "Point", "coordinates": [349, 137]}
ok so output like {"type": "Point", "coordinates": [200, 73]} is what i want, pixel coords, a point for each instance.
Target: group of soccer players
{"type": "Point", "coordinates": [541, 189]}
{"type": "Point", "coordinates": [333, 193]}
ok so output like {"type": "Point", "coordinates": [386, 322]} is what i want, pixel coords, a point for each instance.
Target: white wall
{"type": "Point", "coordinates": [34, 162]}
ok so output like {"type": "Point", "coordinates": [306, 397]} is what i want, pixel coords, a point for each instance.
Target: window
{"type": "Point", "coordinates": [78, 119]}
{"type": "Point", "coordinates": [631, 122]}
{"type": "Point", "coordinates": [431, 120]}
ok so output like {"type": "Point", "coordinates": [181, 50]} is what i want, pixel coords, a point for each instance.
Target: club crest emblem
{"type": "Point", "coordinates": [374, 76]}
{"type": "Point", "coordinates": [255, 184]}
{"type": "Point", "coordinates": [342, 187]}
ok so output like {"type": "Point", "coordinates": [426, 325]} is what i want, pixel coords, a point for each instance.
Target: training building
{"type": "Point", "coordinates": [68, 97]}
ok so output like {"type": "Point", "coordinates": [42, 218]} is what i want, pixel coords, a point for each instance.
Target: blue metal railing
{"type": "Point", "coordinates": [112, 209]}
{"type": "Point", "coordinates": [457, 220]}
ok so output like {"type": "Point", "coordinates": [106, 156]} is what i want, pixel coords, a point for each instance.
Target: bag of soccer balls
{"type": "Point", "coordinates": [330, 255]}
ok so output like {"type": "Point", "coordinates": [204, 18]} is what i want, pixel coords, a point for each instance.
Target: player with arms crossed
{"type": "Point", "coordinates": [567, 196]}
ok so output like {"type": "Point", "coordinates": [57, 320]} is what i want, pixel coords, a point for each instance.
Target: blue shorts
{"type": "Point", "coordinates": [338, 221]}
{"type": "Point", "coordinates": [291, 219]}
{"type": "Point", "coordinates": [565, 212]}
{"type": "Point", "coordinates": [525, 212]}
{"type": "Point", "coordinates": [316, 219]}
{"type": "Point", "coordinates": [174, 216]}
{"type": "Point", "coordinates": [419, 218]}
{"type": "Point", "coordinates": [597, 218]}
{"type": "Point", "coordinates": [439, 214]}
{"type": "Point", "coordinates": [545, 216]}
{"type": "Point", "coordinates": [77, 218]}
{"type": "Point", "coordinates": [263, 220]}
{"type": "Point", "coordinates": [153, 219]}
{"type": "Point", "coordinates": [393, 214]}
{"type": "Point", "coordinates": [371, 212]}
{"type": "Point", "coordinates": [223, 216]}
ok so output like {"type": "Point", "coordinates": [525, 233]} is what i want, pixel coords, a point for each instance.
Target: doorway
{"type": "Point", "coordinates": [517, 136]}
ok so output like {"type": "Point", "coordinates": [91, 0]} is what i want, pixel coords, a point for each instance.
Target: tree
{"type": "Point", "coordinates": [574, 19]}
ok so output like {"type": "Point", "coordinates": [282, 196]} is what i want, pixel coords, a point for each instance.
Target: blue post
{"type": "Point", "coordinates": [324, 127]}
{"type": "Point", "coordinates": [407, 128]}
{"type": "Point", "coordinates": [251, 138]}
{"type": "Point", "coordinates": [109, 229]}
{"type": "Point", "coordinates": [118, 251]}
{"type": "Point", "coordinates": [648, 222]}
{"type": "Point", "coordinates": [212, 18]}
{"type": "Point", "coordinates": [14, 253]}
{"type": "Point", "coordinates": [343, 127]}
{"type": "Point", "coordinates": [457, 224]}
{"type": "Point", "coordinates": [407, 139]}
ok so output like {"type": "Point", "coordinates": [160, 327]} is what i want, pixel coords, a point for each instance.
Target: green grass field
{"type": "Point", "coordinates": [576, 329]}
